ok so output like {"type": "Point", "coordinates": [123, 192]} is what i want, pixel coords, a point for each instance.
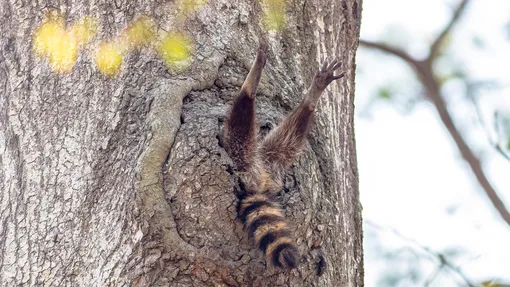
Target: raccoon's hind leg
{"type": "Point", "coordinates": [241, 129]}
{"type": "Point", "coordinates": [282, 145]}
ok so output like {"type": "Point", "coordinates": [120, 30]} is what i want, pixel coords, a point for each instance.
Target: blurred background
{"type": "Point", "coordinates": [433, 140]}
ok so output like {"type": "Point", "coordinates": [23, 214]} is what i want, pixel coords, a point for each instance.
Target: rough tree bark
{"type": "Point", "coordinates": [123, 181]}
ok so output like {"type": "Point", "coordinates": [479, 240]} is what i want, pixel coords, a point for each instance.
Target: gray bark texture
{"type": "Point", "coordinates": [123, 181]}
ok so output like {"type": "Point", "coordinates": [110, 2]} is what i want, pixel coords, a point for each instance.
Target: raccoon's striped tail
{"type": "Point", "coordinates": [266, 226]}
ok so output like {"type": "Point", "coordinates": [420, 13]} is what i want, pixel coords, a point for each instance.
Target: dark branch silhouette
{"type": "Point", "coordinates": [423, 69]}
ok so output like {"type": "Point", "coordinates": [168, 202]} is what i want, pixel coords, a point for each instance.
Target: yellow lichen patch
{"type": "Point", "coordinates": [61, 45]}
{"type": "Point", "coordinates": [63, 53]}
{"type": "Point", "coordinates": [108, 59]}
{"type": "Point", "coordinates": [84, 30]}
{"type": "Point", "coordinates": [174, 49]}
{"type": "Point", "coordinates": [140, 32]}
{"type": "Point", "coordinates": [274, 14]}
{"type": "Point", "coordinates": [47, 34]}
{"type": "Point", "coordinates": [188, 7]}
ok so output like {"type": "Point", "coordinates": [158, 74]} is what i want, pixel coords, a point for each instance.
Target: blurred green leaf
{"type": "Point", "coordinates": [453, 252]}
{"type": "Point", "coordinates": [385, 93]}
{"type": "Point", "coordinates": [507, 30]}
{"type": "Point", "coordinates": [455, 75]}
{"type": "Point", "coordinates": [478, 42]}
{"type": "Point", "coordinates": [458, 75]}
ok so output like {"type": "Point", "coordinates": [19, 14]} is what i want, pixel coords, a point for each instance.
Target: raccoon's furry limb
{"type": "Point", "coordinates": [262, 166]}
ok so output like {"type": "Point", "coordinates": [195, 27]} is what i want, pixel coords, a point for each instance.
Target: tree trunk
{"type": "Point", "coordinates": [123, 181]}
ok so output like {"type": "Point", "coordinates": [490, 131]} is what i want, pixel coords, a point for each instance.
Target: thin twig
{"type": "Point", "coordinates": [494, 143]}
{"type": "Point", "coordinates": [433, 276]}
{"type": "Point", "coordinates": [456, 270]}
{"type": "Point", "coordinates": [497, 145]}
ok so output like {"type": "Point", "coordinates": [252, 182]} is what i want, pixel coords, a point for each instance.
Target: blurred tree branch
{"type": "Point", "coordinates": [391, 50]}
{"type": "Point", "coordinates": [425, 73]}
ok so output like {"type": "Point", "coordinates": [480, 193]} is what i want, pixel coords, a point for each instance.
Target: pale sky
{"type": "Point", "coordinates": [412, 178]}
